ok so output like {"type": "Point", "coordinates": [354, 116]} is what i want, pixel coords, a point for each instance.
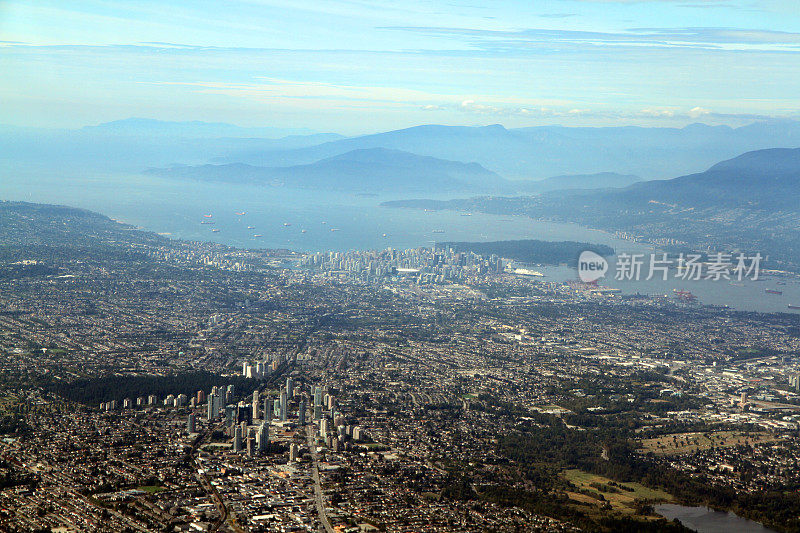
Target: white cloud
{"type": "Point", "coordinates": [697, 112]}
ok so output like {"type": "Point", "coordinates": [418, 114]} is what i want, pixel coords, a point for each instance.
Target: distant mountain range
{"type": "Point", "coordinates": [386, 170]}
{"type": "Point", "coordinates": [601, 180]}
{"type": "Point", "coordinates": [766, 180]}
{"type": "Point", "coordinates": [541, 152]}
{"type": "Point", "coordinates": [191, 129]}
{"type": "Point", "coordinates": [517, 155]}
{"type": "Point", "coordinates": [132, 145]}
{"type": "Point", "coordinates": [364, 170]}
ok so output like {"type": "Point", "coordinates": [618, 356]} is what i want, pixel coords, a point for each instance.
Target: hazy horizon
{"type": "Point", "coordinates": [357, 68]}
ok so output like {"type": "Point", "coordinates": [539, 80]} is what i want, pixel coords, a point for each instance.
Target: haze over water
{"type": "Point", "coordinates": [178, 208]}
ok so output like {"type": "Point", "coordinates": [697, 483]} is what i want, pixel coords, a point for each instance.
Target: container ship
{"type": "Point", "coordinates": [795, 307]}
{"type": "Point", "coordinates": [772, 291]}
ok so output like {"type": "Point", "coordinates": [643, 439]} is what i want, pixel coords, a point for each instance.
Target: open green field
{"type": "Point", "coordinates": [150, 488]}
{"type": "Point", "coordinates": [689, 442]}
{"type": "Point", "coordinates": [618, 497]}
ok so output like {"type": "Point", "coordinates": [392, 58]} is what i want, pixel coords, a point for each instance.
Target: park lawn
{"type": "Point", "coordinates": [677, 443]}
{"type": "Point", "coordinates": [622, 501]}
{"type": "Point", "coordinates": [150, 488]}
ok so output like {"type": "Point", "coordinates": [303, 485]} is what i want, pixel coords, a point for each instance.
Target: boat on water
{"type": "Point", "coordinates": [466, 214]}
{"type": "Point", "coordinates": [773, 291]}
{"type": "Point", "coordinates": [303, 230]}
{"type": "Point", "coordinates": [240, 214]}
{"type": "Point", "coordinates": [208, 216]}
{"type": "Point", "coordinates": [206, 221]}
{"type": "Point", "coordinates": [334, 229]}
{"type": "Point", "coordinates": [257, 235]}
{"type": "Point", "coordinates": [384, 235]}
{"type": "Point", "coordinates": [251, 227]}
{"type": "Point", "coordinates": [438, 231]}
{"type": "Point", "coordinates": [795, 307]}
{"type": "Point", "coordinates": [215, 230]}
{"type": "Point", "coordinates": [684, 295]}
{"type": "Point", "coordinates": [286, 224]}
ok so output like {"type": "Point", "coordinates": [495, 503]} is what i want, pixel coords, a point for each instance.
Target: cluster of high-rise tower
{"type": "Point", "coordinates": [248, 423]}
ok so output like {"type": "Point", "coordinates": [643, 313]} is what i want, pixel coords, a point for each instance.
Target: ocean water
{"type": "Point", "coordinates": [278, 216]}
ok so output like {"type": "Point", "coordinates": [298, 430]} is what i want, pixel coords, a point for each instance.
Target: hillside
{"type": "Point", "coordinates": [540, 152]}
{"type": "Point", "coordinates": [600, 180]}
{"type": "Point", "coordinates": [364, 170]}
{"type": "Point", "coordinates": [767, 180]}
{"type": "Point", "coordinates": [750, 202]}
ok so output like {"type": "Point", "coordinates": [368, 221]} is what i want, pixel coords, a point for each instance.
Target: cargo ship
{"type": "Point", "coordinates": [206, 221]}
{"type": "Point", "coordinates": [773, 291]}
{"type": "Point", "coordinates": [684, 295]}
{"type": "Point", "coordinates": [795, 307]}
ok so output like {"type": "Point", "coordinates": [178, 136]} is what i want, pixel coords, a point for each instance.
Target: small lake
{"type": "Point", "coordinates": [705, 520]}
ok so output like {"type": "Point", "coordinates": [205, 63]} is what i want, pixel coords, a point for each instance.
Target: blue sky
{"type": "Point", "coordinates": [357, 66]}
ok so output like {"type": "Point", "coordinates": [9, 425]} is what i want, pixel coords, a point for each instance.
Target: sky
{"type": "Point", "coordinates": [357, 66]}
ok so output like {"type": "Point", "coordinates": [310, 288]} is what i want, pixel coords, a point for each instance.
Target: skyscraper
{"type": "Point", "coordinates": [255, 404]}
{"type": "Point", "coordinates": [237, 439]}
{"type": "Point", "coordinates": [267, 408]}
{"type": "Point", "coordinates": [301, 412]}
{"type": "Point", "coordinates": [211, 406]}
{"type": "Point", "coordinates": [317, 396]}
{"type": "Point", "coordinates": [283, 405]}
{"type": "Point", "coordinates": [230, 415]}
{"type": "Point", "coordinates": [263, 436]}
{"type": "Point", "coordinates": [191, 424]}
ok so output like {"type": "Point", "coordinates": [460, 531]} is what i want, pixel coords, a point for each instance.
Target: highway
{"type": "Point", "coordinates": [312, 447]}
